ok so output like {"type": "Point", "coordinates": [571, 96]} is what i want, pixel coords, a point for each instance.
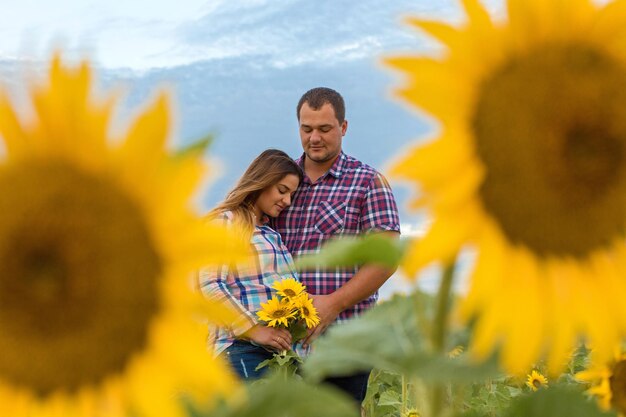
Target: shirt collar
{"type": "Point", "coordinates": [264, 221]}
{"type": "Point", "coordinates": [336, 170]}
{"type": "Point", "coordinates": [338, 166]}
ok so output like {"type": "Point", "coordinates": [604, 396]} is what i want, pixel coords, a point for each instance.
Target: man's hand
{"type": "Point", "coordinates": [327, 310]}
{"type": "Point", "coordinates": [279, 339]}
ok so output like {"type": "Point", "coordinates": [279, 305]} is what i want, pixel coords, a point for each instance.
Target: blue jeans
{"type": "Point", "coordinates": [244, 357]}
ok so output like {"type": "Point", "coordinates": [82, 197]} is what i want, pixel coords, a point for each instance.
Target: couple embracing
{"type": "Point", "coordinates": [292, 208]}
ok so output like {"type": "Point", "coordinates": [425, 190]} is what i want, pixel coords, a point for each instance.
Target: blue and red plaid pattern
{"type": "Point", "coordinates": [245, 287]}
{"type": "Point", "coordinates": [350, 199]}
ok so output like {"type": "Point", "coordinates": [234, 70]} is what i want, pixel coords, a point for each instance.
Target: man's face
{"type": "Point", "coordinates": [321, 133]}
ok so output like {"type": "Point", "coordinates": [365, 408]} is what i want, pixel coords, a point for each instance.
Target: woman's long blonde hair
{"type": "Point", "coordinates": [267, 169]}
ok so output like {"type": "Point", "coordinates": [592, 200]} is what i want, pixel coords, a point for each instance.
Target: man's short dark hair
{"type": "Point", "coordinates": [317, 97]}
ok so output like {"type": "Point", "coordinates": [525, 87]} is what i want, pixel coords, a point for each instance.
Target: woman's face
{"type": "Point", "coordinates": [277, 197]}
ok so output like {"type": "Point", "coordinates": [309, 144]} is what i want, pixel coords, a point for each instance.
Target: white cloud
{"type": "Point", "coordinates": [115, 33]}
{"type": "Point", "coordinates": [154, 33]}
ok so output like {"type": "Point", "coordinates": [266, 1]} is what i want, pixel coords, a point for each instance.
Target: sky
{"type": "Point", "coordinates": [137, 34]}
{"type": "Point", "coordinates": [143, 34]}
{"type": "Point", "coordinates": [218, 52]}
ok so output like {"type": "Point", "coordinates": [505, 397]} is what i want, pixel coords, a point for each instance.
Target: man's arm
{"type": "Point", "coordinates": [368, 279]}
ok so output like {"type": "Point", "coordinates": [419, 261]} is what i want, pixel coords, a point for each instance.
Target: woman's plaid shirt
{"type": "Point", "coordinates": [246, 287]}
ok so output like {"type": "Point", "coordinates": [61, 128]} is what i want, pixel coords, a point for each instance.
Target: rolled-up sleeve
{"type": "Point", "coordinates": [213, 284]}
{"type": "Point", "coordinates": [379, 211]}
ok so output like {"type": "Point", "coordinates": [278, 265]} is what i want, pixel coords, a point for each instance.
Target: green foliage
{"type": "Point", "coordinates": [389, 337]}
{"type": "Point", "coordinates": [505, 396]}
{"type": "Point", "coordinates": [392, 339]}
{"type": "Point", "coordinates": [578, 362]}
{"type": "Point", "coordinates": [284, 364]}
{"type": "Point", "coordinates": [554, 402]}
{"type": "Point", "coordinates": [384, 394]}
{"type": "Point", "coordinates": [375, 248]}
{"type": "Point", "coordinates": [492, 396]}
{"type": "Point", "coordinates": [279, 397]}
{"type": "Point", "coordinates": [195, 148]}
{"type": "Point", "coordinates": [390, 394]}
{"type": "Point", "coordinates": [298, 330]}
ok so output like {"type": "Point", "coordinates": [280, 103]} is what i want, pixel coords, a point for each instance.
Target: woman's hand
{"type": "Point", "coordinates": [279, 339]}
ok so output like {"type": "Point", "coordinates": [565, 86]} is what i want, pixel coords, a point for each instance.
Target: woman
{"type": "Point", "coordinates": [264, 190]}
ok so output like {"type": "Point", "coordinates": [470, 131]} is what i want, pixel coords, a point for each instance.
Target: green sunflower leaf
{"type": "Point", "coordinates": [375, 248]}
{"type": "Point", "coordinates": [283, 397]}
{"type": "Point", "coordinates": [555, 402]}
{"type": "Point", "coordinates": [298, 330]}
{"type": "Point", "coordinates": [196, 148]}
{"type": "Point", "coordinates": [388, 337]}
{"type": "Point", "coordinates": [390, 398]}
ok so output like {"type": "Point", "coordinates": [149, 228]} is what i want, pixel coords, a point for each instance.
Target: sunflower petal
{"type": "Point", "coordinates": [13, 135]}
{"type": "Point", "coordinates": [147, 136]}
{"type": "Point", "coordinates": [441, 242]}
{"type": "Point", "coordinates": [524, 340]}
{"type": "Point", "coordinates": [436, 89]}
{"type": "Point", "coordinates": [424, 162]}
{"type": "Point", "coordinates": [478, 16]}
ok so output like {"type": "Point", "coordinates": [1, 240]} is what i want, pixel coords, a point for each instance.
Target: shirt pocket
{"type": "Point", "coordinates": [330, 217]}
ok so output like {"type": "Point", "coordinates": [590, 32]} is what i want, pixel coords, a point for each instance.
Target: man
{"type": "Point", "coordinates": [339, 196]}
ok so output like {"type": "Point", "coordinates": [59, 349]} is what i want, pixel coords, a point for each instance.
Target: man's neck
{"type": "Point", "coordinates": [315, 170]}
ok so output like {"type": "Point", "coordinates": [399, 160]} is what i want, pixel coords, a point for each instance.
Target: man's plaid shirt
{"type": "Point", "coordinates": [350, 199]}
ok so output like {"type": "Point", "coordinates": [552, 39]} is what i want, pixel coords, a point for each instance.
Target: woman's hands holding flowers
{"type": "Point", "coordinates": [291, 309]}
{"type": "Point", "coordinates": [274, 337]}
{"type": "Point", "coordinates": [291, 312]}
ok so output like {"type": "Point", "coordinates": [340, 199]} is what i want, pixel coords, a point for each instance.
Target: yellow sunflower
{"type": "Point", "coordinates": [530, 169]}
{"type": "Point", "coordinates": [288, 288]}
{"type": "Point", "coordinates": [277, 312]}
{"type": "Point", "coordinates": [411, 413]}
{"type": "Point", "coordinates": [536, 380]}
{"type": "Point", "coordinates": [96, 244]}
{"type": "Point", "coordinates": [608, 381]}
{"type": "Point", "coordinates": [307, 310]}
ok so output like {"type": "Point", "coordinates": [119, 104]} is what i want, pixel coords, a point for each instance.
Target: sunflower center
{"type": "Point", "coordinates": [550, 129]}
{"type": "Point", "coordinates": [305, 311]}
{"type": "Point", "coordinates": [276, 314]}
{"type": "Point", "coordinates": [289, 292]}
{"type": "Point", "coordinates": [618, 386]}
{"type": "Point", "coordinates": [79, 286]}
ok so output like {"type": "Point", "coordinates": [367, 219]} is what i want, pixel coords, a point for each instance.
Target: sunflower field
{"type": "Point", "coordinates": [527, 169]}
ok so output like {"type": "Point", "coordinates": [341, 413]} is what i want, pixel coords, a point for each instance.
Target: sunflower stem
{"type": "Point", "coordinates": [404, 397]}
{"type": "Point", "coordinates": [439, 332]}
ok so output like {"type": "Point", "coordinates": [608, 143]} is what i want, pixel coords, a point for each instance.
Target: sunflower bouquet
{"type": "Point", "coordinates": [292, 309]}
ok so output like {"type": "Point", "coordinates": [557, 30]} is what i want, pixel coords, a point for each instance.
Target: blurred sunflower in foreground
{"type": "Point", "coordinates": [96, 243]}
{"type": "Point", "coordinates": [608, 380]}
{"type": "Point", "coordinates": [530, 169]}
